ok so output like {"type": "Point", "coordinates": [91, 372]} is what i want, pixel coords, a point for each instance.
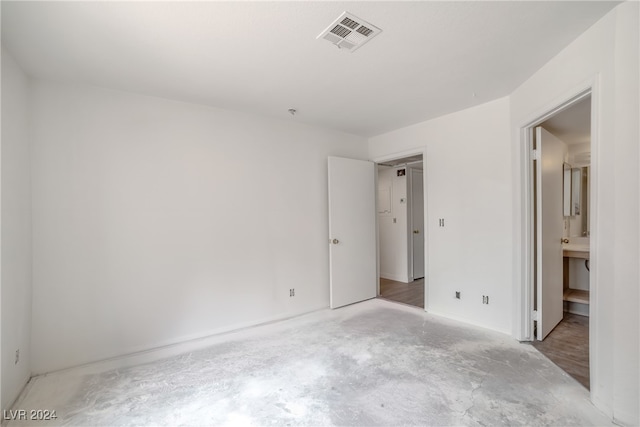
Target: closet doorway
{"type": "Point", "coordinates": [401, 234]}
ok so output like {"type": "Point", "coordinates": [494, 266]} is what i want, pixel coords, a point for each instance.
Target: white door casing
{"type": "Point", "coordinates": [352, 231]}
{"type": "Point", "coordinates": [549, 230]}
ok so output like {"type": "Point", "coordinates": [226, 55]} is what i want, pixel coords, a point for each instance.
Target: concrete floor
{"type": "Point", "coordinates": [373, 363]}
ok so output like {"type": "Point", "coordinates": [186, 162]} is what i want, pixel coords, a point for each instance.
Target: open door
{"type": "Point", "coordinates": [352, 231]}
{"type": "Point", "coordinates": [417, 222]}
{"type": "Point", "coordinates": [549, 228]}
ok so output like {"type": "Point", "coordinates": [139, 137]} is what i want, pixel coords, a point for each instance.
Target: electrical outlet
{"type": "Point", "coordinates": [485, 299]}
{"type": "Point", "coordinates": [17, 356]}
{"type": "Point", "coordinates": [292, 292]}
{"type": "Point", "coordinates": [458, 294]}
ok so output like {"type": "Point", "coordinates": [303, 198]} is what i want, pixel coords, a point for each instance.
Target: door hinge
{"type": "Point", "coordinates": [534, 315]}
{"type": "Point", "coordinates": [534, 155]}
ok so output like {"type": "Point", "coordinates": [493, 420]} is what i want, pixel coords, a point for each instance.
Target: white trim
{"type": "Point", "coordinates": [378, 274]}
{"type": "Point", "coordinates": [394, 277]}
{"type": "Point", "coordinates": [410, 225]}
{"type": "Point", "coordinates": [400, 155]}
{"type": "Point", "coordinates": [142, 355]}
{"type": "Point", "coordinates": [457, 318]}
{"type": "Point", "coordinates": [594, 237]}
{"type": "Point", "coordinates": [523, 221]}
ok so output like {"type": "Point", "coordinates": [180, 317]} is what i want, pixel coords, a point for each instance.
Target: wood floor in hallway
{"type": "Point", "coordinates": [407, 293]}
{"type": "Point", "coordinates": [568, 347]}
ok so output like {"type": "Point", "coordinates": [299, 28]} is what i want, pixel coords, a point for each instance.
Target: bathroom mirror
{"type": "Point", "coordinates": [576, 185]}
{"type": "Point", "coordinates": [579, 218]}
{"type": "Point", "coordinates": [566, 190]}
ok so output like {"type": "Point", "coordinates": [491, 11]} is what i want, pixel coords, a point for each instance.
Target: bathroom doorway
{"type": "Point", "coordinates": [401, 234]}
{"type": "Point", "coordinates": [560, 198]}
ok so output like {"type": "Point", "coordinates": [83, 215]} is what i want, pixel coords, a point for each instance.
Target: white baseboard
{"type": "Point", "coordinates": [397, 278]}
{"type": "Point", "coordinates": [180, 347]}
{"type": "Point", "coordinates": [468, 321]}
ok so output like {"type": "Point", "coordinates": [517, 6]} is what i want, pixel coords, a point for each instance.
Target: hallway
{"type": "Point", "coordinates": [407, 293]}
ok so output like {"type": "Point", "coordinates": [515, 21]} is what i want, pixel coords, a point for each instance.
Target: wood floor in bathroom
{"type": "Point", "coordinates": [568, 347]}
{"type": "Point", "coordinates": [406, 293]}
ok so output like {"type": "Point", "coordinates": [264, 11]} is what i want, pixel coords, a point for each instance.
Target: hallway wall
{"type": "Point", "coordinates": [393, 241]}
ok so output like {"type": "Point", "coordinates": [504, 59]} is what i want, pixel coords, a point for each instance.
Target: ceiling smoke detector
{"type": "Point", "coordinates": [349, 32]}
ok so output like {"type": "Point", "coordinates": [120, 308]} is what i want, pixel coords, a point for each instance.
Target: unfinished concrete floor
{"type": "Point", "coordinates": [373, 363]}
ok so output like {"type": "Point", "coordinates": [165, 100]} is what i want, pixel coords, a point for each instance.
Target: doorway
{"type": "Point", "coordinates": [560, 188]}
{"type": "Point", "coordinates": [401, 235]}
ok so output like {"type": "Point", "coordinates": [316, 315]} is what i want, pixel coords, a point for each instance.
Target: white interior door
{"type": "Point", "coordinates": [352, 231]}
{"type": "Point", "coordinates": [549, 228]}
{"type": "Point", "coordinates": [417, 222]}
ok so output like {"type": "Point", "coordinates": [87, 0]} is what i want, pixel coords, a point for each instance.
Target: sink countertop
{"type": "Point", "coordinates": [578, 247]}
{"type": "Point", "coordinates": [576, 250]}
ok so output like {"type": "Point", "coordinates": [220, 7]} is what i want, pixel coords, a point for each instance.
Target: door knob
{"type": "Point", "coordinates": [565, 240]}
{"type": "Point", "coordinates": [416, 231]}
{"type": "Point", "coordinates": [335, 241]}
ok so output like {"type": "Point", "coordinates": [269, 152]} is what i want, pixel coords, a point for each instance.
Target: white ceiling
{"type": "Point", "coordinates": [573, 125]}
{"type": "Point", "coordinates": [432, 58]}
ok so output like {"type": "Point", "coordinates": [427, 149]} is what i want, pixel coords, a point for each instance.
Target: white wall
{"type": "Point", "coordinates": [157, 221]}
{"type": "Point", "coordinates": [626, 407]}
{"type": "Point", "coordinates": [468, 183]}
{"type": "Point", "coordinates": [577, 152]}
{"type": "Point", "coordinates": [608, 54]}
{"type": "Point", "coordinates": [394, 252]}
{"type": "Point", "coordinates": [16, 231]}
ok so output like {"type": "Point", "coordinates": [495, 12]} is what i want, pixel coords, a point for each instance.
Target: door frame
{"type": "Point", "coordinates": [396, 156]}
{"type": "Point", "coordinates": [524, 235]}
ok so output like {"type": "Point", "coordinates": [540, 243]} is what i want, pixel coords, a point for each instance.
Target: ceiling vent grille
{"type": "Point", "coordinates": [349, 32]}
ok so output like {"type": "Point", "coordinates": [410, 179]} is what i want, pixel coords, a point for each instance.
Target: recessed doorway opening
{"type": "Point", "coordinates": [558, 185]}
{"type": "Point", "coordinates": [401, 231]}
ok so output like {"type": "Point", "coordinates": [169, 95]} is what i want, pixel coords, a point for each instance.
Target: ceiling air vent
{"type": "Point", "coordinates": [349, 32]}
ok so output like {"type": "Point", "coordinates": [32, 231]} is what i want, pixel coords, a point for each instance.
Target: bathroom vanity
{"type": "Point", "coordinates": [575, 246]}
{"type": "Point", "coordinates": [576, 285]}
